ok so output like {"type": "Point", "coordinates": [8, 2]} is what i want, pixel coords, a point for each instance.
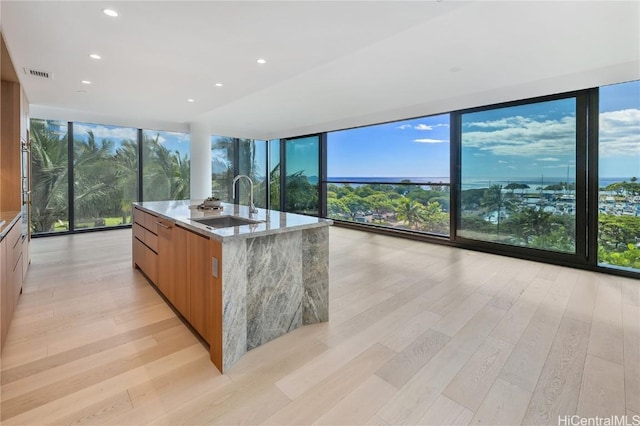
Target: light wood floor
{"type": "Point", "coordinates": [419, 334]}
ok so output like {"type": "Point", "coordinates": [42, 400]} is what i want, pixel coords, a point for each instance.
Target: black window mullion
{"type": "Point", "coordinates": [582, 224]}
{"type": "Point", "coordinates": [322, 179]}
{"type": "Point", "coordinates": [236, 167]}
{"type": "Point", "coordinates": [455, 148]}
{"type": "Point", "coordinates": [140, 165]}
{"type": "Point", "coordinates": [267, 183]}
{"type": "Point", "coordinates": [283, 177]}
{"type": "Point", "coordinates": [70, 177]}
{"type": "Point", "coordinates": [593, 176]}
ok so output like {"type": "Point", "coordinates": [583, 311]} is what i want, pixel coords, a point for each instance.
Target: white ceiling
{"type": "Point", "coordinates": [331, 64]}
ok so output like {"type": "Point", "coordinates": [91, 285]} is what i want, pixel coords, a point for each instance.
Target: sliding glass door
{"type": "Point", "coordinates": [520, 174]}
{"type": "Point", "coordinates": [618, 174]}
{"type": "Point", "coordinates": [302, 172]}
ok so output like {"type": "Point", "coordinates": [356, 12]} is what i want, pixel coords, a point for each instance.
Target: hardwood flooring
{"type": "Point", "coordinates": [419, 334]}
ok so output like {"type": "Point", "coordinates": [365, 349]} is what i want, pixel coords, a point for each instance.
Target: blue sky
{"type": "Point", "coordinates": [409, 148]}
{"type": "Point", "coordinates": [171, 140]}
{"type": "Point", "coordinates": [519, 142]}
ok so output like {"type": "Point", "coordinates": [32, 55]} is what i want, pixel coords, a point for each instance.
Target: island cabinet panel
{"type": "Point", "coordinates": [11, 264]}
{"type": "Point", "coordinates": [145, 243]}
{"type": "Point", "coordinates": [166, 261]}
{"type": "Point", "coordinates": [5, 292]}
{"type": "Point", "coordinates": [215, 296]}
{"type": "Point", "coordinates": [182, 289]}
{"type": "Point", "coordinates": [199, 273]}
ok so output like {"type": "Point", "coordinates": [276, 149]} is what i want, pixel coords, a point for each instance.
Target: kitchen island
{"type": "Point", "coordinates": [238, 285]}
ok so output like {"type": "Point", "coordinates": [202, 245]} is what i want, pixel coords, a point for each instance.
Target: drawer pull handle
{"type": "Point", "coordinates": [163, 225]}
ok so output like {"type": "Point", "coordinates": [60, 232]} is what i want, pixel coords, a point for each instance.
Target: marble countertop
{"type": "Point", "coordinates": [7, 219]}
{"type": "Point", "coordinates": [272, 221]}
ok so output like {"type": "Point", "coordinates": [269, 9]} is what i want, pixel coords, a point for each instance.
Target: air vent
{"type": "Point", "coordinates": [36, 73]}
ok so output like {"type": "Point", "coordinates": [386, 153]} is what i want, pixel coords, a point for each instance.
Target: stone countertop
{"type": "Point", "coordinates": [272, 221]}
{"type": "Point", "coordinates": [7, 219]}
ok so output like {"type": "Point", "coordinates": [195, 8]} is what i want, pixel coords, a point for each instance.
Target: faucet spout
{"type": "Point", "coordinates": [252, 207]}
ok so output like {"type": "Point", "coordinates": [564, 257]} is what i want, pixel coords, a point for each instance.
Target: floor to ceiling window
{"type": "Point", "coordinates": [49, 176]}
{"type": "Point", "coordinates": [105, 174]}
{"type": "Point", "coordinates": [166, 166]}
{"type": "Point", "coordinates": [619, 171]}
{"type": "Point", "coordinates": [393, 175]}
{"type": "Point", "coordinates": [302, 175]}
{"type": "Point", "coordinates": [518, 175]}
{"type": "Point", "coordinates": [252, 158]}
{"type": "Point", "coordinates": [222, 167]}
{"type": "Point", "coordinates": [274, 173]}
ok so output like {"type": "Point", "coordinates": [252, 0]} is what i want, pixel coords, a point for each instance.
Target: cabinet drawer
{"type": "Point", "coordinates": [17, 280]}
{"type": "Point", "coordinates": [150, 222]}
{"type": "Point", "coordinates": [151, 240]}
{"type": "Point", "coordinates": [138, 216]}
{"type": "Point", "coordinates": [151, 265]}
{"type": "Point", "coordinates": [138, 253]}
{"type": "Point", "coordinates": [138, 231]}
{"type": "Point", "coordinates": [14, 238]}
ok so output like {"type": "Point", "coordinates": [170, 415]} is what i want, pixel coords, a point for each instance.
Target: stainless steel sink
{"type": "Point", "coordinates": [226, 221]}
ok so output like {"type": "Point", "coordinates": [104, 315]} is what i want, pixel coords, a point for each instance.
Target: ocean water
{"type": "Point", "coordinates": [472, 183]}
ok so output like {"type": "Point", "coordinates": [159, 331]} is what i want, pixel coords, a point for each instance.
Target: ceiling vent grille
{"type": "Point", "coordinates": [40, 74]}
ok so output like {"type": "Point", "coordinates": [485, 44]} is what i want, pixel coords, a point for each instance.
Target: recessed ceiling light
{"type": "Point", "coordinates": [86, 82]}
{"type": "Point", "coordinates": [190, 100]}
{"type": "Point", "coordinates": [95, 56]}
{"type": "Point", "coordinates": [218, 84]}
{"type": "Point", "coordinates": [110, 12]}
{"type": "Point", "coordinates": [261, 61]}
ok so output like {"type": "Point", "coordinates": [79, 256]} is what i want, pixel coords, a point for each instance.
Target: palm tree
{"type": "Point", "coordinates": [493, 198]}
{"type": "Point", "coordinates": [94, 177]}
{"type": "Point", "coordinates": [166, 174]}
{"type": "Point", "coordinates": [49, 168]}
{"type": "Point", "coordinates": [410, 212]}
{"type": "Point", "coordinates": [126, 170]}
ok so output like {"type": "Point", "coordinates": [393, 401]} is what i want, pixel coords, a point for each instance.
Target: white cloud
{"type": "Point", "coordinates": [522, 137]}
{"type": "Point", "coordinates": [503, 162]}
{"type": "Point", "coordinates": [620, 133]}
{"type": "Point", "coordinates": [423, 127]}
{"type": "Point", "coordinates": [549, 159]}
{"type": "Point", "coordinates": [102, 132]}
{"type": "Point", "coordinates": [405, 126]}
{"type": "Point", "coordinates": [560, 166]}
{"type": "Point", "coordinates": [430, 140]}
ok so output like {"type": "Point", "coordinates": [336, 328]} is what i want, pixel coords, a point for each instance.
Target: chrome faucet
{"type": "Point", "coordinates": [252, 207]}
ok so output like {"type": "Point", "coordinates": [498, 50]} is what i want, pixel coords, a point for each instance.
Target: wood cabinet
{"type": "Point", "coordinates": [181, 290]}
{"type": "Point", "coordinates": [215, 303]}
{"type": "Point", "coordinates": [10, 150]}
{"type": "Point", "coordinates": [12, 275]}
{"type": "Point", "coordinates": [166, 264]}
{"type": "Point", "coordinates": [188, 272]}
{"type": "Point", "coordinates": [199, 273]}
{"type": "Point", "coordinates": [145, 243]}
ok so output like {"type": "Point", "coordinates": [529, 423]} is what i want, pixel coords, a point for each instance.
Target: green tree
{"type": "Point", "coordinates": [434, 219]}
{"type": "Point", "coordinates": [410, 212]}
{"type": "Point", "coordinates": [126, 171]}
{"type": "Point", "coordinates": [49, 174]}
{"type": "Point", "coordinates": [94, 178]}
{"type": "Point", "coordinates": [166, 175]}
{"type": "Point", "coordinates": [493, 199]}
{"type": "Point", "coordinates": [617, 231]}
